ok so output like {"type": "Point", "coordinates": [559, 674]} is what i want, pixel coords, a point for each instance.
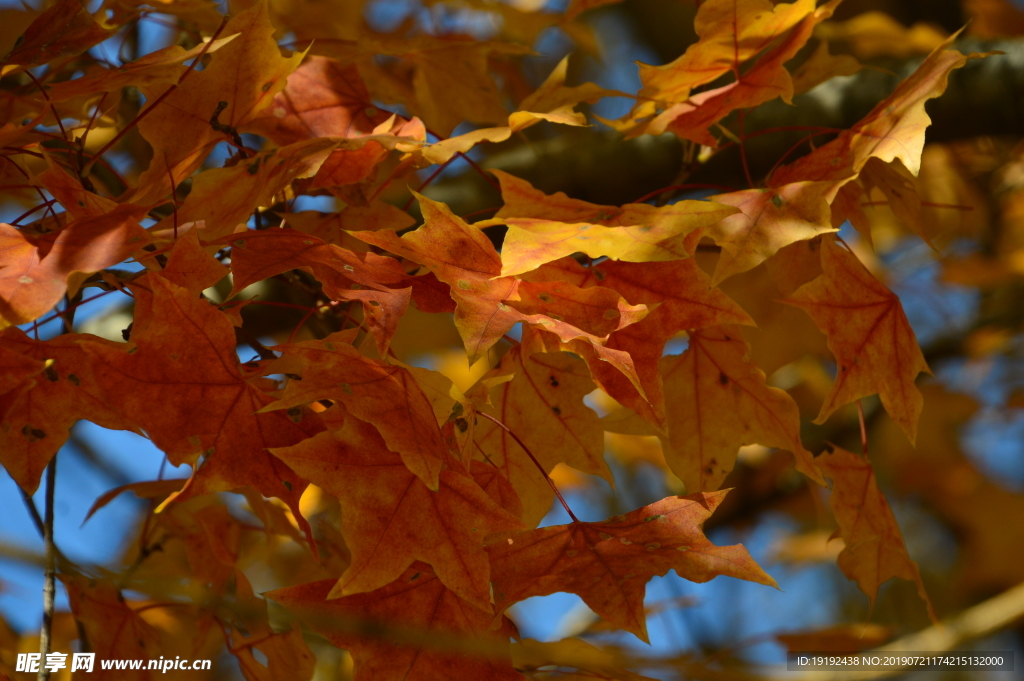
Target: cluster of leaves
{"type": "Point", "coordinates": [426, 497]}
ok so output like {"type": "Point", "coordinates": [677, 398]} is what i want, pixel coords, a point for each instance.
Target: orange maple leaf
{"type": "Point", "coordinates": [465, 259]}
{"type": "Point", "coordinates": [366, 277]}
{"type": "Point", "coordinates": [211, 409]}
{"type": "Point", "coordinates": [682, 298]}
{"type": "Point", "coordinates": [770, 219]}
{"type": "Point", "coordinates": [383, 394]}
{"type": "Point", "coordinates": [47, 387]}
{"type": "Point", "coordinates": [539, 397]}
{"type": "Point", "coordinates": [391, 519]}
{"type": "Point", "coordinates": [729, 33]}
{"type": "Point", "coordinates": [608, 564]}
{"type": "Point", "coordinates": [245, 74]}
{"type": "Point", "coordinates": [894, 129]}
{"type": "Point", "coordinates": [716, 401]}
{"type": "Point", "coordinates": [762, 82]}
{"type": "Point", "coordinates": [874, 550]}
{"type": "Point", "coordinates": [64, 29]}
{"type": "Point", "coordinates": [34, 270]}
{"type": "Point", "coordinates": [875, 348]}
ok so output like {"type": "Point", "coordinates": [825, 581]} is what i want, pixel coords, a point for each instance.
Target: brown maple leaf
{"type": "Point", "coordinates": [412, 628]}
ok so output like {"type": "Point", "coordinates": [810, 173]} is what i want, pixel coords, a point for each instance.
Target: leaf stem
{"type": "Point", "coordinates": [535, 462]}
{"type": "Point", "coordinates": [863, 429]}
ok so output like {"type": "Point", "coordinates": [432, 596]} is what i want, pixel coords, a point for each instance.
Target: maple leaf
{"type": "Point", "coordinates": [894, 129]}
{"type": "Point", "coordinates": [553, 101]}
{"type": "Point", "coordinates": [325, 98]}
{"type": "Point", "coordinates": [321, 98]}
{"type": "Point", "coordinates": [875, 348]}
{"type": "Point", "coordinates": [389, 631]}
{"type": "Point", "coordinates": [769, 219]}
{"type": "Point", "coordinates": [465, 259]}
{"type": "Point", "coordinates": [390, 518]}
{"type": "Point", "coordinates": [539, 397]}
{"type": "Point", "coordinates": [114, 629]}
{"type": "Point", "coordinates": [609, 563]}
{"type": "Point", "coordinates": [543, 227]}
{"type": "Point", "coordinates": [49, 387]}
{"type": "Point", "coordinates": [729, 33]}
{"type": "Point", "coordinates": [35, 270]}
{"type": "Point", "coordinates": [682, 298]}
{"type": "Point", "coordinates": [453, 74]}
{"type": "Point", "coordinates": [190, 266]}
{"type": "Point", "coordinates": [211, 411]}
{"type": "Point", "coordinates": [78, 201]}
{"type": "Point", "coordinates": [717, 401]}
{"type": "Point", "coordinates": [874, 550]}
{"type": "Point", "coordinates": [346, 276]}
{"type": "Point", "coordinates": [385, 395]}
{"type": "Point", "coordinates": [224, 198]}
{"type": "Point", "coordinates": [762, 82]}
{"type": "Point", "coordinates": [64, 29]}
{"type": "Point", "coordinates": [162, 67]}
{"type": "Point", "coordinates": [246, 74]}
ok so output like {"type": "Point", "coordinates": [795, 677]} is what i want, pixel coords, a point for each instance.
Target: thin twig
{"type": "Point", "coordinates": [535, 462]}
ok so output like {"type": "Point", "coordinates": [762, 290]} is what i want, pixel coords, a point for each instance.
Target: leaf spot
{"type": "Point", "coordinates": [32, 434]}
{"type": "Point", "coordinates": [464, 285]}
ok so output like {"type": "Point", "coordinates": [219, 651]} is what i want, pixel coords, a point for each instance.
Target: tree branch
{"type": "Point", "coordinates": [973, 623]}
{"type": "Point", "coordinates": [49, 583]}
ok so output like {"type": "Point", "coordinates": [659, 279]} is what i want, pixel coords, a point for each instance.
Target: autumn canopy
{"type": "Point", "coordinates": [351, 307]}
